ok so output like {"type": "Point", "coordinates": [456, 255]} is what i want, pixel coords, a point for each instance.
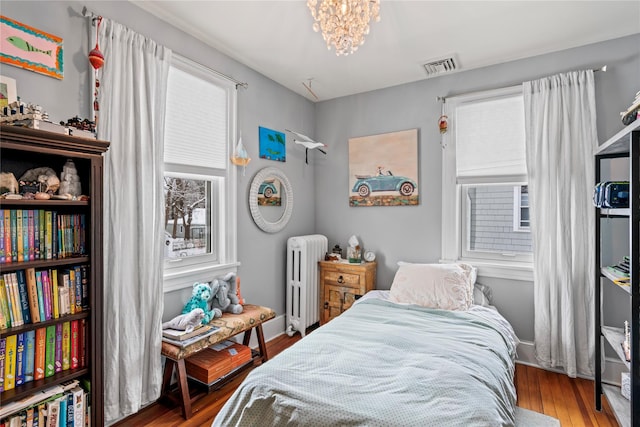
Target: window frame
{"type": "Point", "coordinates": [517, 210]}
{"type": "Point", "coordinates": [453, 231]}
{"type": "Point", "coordinates": [182, 273]}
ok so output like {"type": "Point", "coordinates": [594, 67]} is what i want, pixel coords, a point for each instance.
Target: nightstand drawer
{"type": "Point", "coordinates": [342, 279]}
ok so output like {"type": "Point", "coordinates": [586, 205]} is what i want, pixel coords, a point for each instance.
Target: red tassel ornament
{"type": "Point", "coordinates": [96, 57]}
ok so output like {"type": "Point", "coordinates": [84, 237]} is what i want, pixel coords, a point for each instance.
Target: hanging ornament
{"type": "Point", "coordinates": [240, 156]}
{"type": "Point", "coordinates": [96, 58]}
{"type": "Point", "coordinates": [442, 124]}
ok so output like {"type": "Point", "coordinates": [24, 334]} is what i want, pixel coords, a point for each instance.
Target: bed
{"type": "Point", "coordinates": [385, 362]}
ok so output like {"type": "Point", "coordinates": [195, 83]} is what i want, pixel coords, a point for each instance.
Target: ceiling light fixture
{"type": "Point", "coordinates": [344, 23]}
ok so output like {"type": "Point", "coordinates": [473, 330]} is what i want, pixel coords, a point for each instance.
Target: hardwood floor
{"type": "Point", "coordinates": [567, 399]}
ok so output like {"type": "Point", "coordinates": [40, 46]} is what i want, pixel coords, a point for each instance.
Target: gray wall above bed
{"type": "Point", "coordinates": [412, 233]}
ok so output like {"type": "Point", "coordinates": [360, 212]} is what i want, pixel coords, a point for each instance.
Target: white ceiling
{"type": "Point", "coordinates": [275, 38]}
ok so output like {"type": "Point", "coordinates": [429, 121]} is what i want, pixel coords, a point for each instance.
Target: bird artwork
{"type": "Point", "coordinates": [308, 144]}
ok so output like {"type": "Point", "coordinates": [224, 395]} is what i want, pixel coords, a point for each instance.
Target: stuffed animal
{"type": "Point", "coordinates": [201, 295]}
{"type": "Point", "coordinates": [185, 322]}
{"type": "Point", "coordinates": [226, 298]}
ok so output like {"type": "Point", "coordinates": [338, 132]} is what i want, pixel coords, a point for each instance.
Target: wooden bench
{"type": "Point", "coordinates": [230, 325]}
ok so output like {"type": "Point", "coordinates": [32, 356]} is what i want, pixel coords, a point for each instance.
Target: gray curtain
{"type": "Point", "coordinates": [133, 88]}
{"type": "Point", "coordinates": [560, 127]}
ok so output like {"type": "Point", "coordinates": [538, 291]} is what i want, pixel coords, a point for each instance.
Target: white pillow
{"type": "Point", "coordinates": [443, 286]}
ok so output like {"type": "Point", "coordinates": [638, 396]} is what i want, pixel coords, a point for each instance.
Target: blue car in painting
{"type": "Point", "coordinates": [267, 189]}
{"type": "Point", "coordinates": [366, 184]}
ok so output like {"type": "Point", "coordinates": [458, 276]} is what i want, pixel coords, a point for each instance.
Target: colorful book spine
{"type": "Point", "coordinates": [3, 258]}
{"type": "Point", "coordinates": [79, 401]}
{"type": "Point", "coordinates": [40, 290]}
{"type": "Point", "coordinates": [24, 296]}
{"type": "Point", "coordinates": [62, 418]}
{"type": "Point", "coordinates": [53, 277]}
{"type": "Point", "coordinates": [10, 363]}
{"type": "Point", "coordinates": [50, 352]}
{"type": "Point", "coordinates": [54, 234]}
{"type": "Point", "coordinates": [13, 226]}
{"type": "Point", "coordinates": [71, 285]}
{"type": "Point", "coordinates": [63, 296]}
{"type": "Point", "coordinates": [20, 235]}
{"type": "Point", "coordinates": [7, 235]}
{"type": "Point", "coordinates": [48, 234]}
{"type": "Point", "coordinates": [70, 410]}
{"type": "Point", "coordinates": [25, 234]}
{"type": "Point", "coordinates": [3, 356]}
{"type": "Point", "coordinates": [29, 347]}
{"type": "Point", "coordinates": [32, 293]}
{"type": "Point", "coordinates": [30, 415]}
{"type": "Point", "coordinates": [41, 233]}
{"type": "Point", "coordinates": [82, 339]}
{"type": "Point", "coordinates": [46, 293]}
{"type": "Point", "coordinates": [36, 234]}
{"type": "Point", "coordinates": [53, 413]}
{"type": "Point", "coordinates": [20, 363]}
{"type": "Point", "coordinates": [5, 315]}
{"type": "Point", "coordinates": [40, 353]}
{"type": "Point", "coordinates": [75, 361]}
{"type": "Point", "coordinates": [78, 288]}
{"type": "Point", "coordinates": [31, 234]}
{"type": "Point", "coordinates": [66, 346]}
{"type": "Point", "coordinates": [61, 240]}
{"type": "Point", "coordinates": [15, 299]}
{"type": "Point", "coordinates": [58, 352]}
{"type": "Point", "coordinates": [6, 278]}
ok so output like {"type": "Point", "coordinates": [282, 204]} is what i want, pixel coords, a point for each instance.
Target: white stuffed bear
{"type": "Point", "coordinates": [225, 298]}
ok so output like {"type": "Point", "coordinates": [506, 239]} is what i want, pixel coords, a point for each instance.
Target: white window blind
{"type": "Point", "coordinates": [196, 125]}
{"type": "Point", "coordinates": [490, 140]}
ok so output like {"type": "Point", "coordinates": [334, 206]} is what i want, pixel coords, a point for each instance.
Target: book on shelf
{"type": "Point", "coordinates": [39, 354]}
{"type": "Point", "coordinates": [179, 335]}
{"type": "Point", "coordinates": [3, 356]}
{"type": "Point", "coordinates": [19, 235]}
{"type": "Point", "coordinates": [24, 298]}
{"type": "Point", "coordinates": [58, 351]}
{"type": "Point", "coordinates": [29, 355]}
{"type": "Point", "coordinates": [20, 365]}
{"type": "Point", "coordinates": [32, 293]}
{"type": "Point", "coordinates": [50, 351]}
{"type": "Point", "coordinates": [66, 346]}
{"type": "Point", "coordinates": [74, 344]}
{"type": "Point", "coordinates": [10, 362]}
{"type": "Point", "coordinates": [7, 236]}
{"type": "Point", "coordinates": [3, 258]}
{"type": "Point", "coordinates": [191, 340]}
{"type": "Point", "coordinates": [13, 227]}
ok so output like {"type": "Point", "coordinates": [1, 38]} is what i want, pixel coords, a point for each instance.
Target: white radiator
{"type": "Point", "coordinates": [303, 254]}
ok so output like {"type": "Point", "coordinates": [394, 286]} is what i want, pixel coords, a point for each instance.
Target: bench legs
{"type": "Point", "coordinates": [183, 386]}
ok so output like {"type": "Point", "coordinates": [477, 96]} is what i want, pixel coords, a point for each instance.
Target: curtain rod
{"type": "Point", "coordinates": [443, 99]}
{"type": "Point", "coordinates": [94, 16]}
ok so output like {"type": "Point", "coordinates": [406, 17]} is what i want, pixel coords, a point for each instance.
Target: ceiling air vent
{"type": "Point", "coordinates": [441, 66]}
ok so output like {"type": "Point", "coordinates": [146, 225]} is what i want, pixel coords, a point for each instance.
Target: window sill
{"type": "Point", "coordinates": [184, 278]}
{"type": "Point", "coordinates": [501, 270]}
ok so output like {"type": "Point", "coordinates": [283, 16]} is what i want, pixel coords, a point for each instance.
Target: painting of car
{"type": "Point", "coordinates": [267, 189]}
{"type": "Point", "coordinates": [366, 184]}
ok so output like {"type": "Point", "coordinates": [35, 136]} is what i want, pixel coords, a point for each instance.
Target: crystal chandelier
{"type": "Point", "coordinates": [344, 23]}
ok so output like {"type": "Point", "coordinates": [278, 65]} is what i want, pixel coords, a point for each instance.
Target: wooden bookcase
{"type": "Point", "coordinates": [625, 144]}
{"type": "Point", "coordinates": [22, 149]}
{"type": "Point", "coordinates": [341, 283]}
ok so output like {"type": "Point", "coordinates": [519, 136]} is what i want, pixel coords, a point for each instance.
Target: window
{"type": "Point", "coordinates": [485, 184]}
{"type": "Point", "coordinates": [521, 208]}
{"type": "Point", "coordinates": [199, 183]}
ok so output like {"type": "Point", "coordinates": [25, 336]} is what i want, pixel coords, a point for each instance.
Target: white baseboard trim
{"type": "Point", "coordinates": [611, 375]}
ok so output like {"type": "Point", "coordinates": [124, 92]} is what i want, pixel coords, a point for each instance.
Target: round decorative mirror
{"type": "Point", "coordinates": [271, 199]}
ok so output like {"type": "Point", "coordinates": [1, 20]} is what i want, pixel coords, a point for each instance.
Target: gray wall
{"type": "Point", "coordinates": [264, 103]}
{"type": "Point", "coordinates": [412, 233]}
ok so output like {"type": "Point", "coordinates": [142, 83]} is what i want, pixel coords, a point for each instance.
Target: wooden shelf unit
{"type": "Point", "coordinates": [23, 149]}
{"type": "Point", "coordinates": [625, 144]}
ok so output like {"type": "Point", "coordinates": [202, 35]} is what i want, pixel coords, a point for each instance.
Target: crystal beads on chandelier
{"type": "Point", "coordinates": [344, 23]}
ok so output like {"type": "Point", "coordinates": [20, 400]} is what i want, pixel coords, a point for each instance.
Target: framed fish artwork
{"type": "Point", "coordinates": [30, 48]}
{"type": "Point", "coordinates": [273, 144]}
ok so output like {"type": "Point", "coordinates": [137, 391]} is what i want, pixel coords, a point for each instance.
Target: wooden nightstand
{"type": "Point", "coordinates": [341, 284]}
